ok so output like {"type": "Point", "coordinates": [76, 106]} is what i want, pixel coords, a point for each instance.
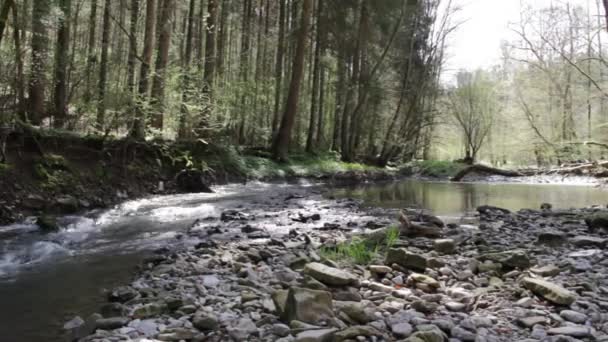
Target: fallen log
{"type": "Point", "coordinates": [485, 169]}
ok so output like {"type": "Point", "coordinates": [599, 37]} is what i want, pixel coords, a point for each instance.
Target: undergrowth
{"type": "Point", "coordinates": [437, 168]}
{"type": "Point", "coordinates": [360, 250]}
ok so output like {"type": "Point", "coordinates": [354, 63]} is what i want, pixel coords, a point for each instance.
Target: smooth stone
{"type": "Point", "coordinates": [380, 269]}
{"type": "Point", "coordinates": [402, 330]}
{"type": "Point", "coordinates": [405, 258]}
{"type": "Point", "coordinates": [550, 291]}
{"type": "Point", "coordinates": [320, 335]}
{"type": "Point", "coordinates": [529, 322]}
{"type": "Point", "coordinates": [329, 275]}
{"type": "Point", "coordinates": [309, 306]}
{"type": "Point", "coordinates": [205, 321]}
{"type": "Point", "coordinates": [242, 330]}
{"type": "Point", "coordinates": [444, 246]}
{"type": "Point", "coordinates": [574, 331]}
{"type": "Point", "coordinates": [546, 271]}
{"type": "Point", "coordinates": [573, 316]}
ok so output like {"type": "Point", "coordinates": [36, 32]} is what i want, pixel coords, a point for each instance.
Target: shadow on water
{"type": "Point", "coordinates": [445, 198]}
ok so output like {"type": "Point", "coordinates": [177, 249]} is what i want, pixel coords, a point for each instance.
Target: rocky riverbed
{"type": "Point", "coordinates": [259, 273]}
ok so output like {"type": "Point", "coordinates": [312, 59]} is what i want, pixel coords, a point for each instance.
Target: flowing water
{"type": "Point", "coordinates": [46, 280]}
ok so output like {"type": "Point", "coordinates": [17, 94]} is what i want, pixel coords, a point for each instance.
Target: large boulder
{"type": "Point", "coordinates": [407, 259]}
{"type": "Point", "coordinates": [309, 306]}
{"type": "Point", "coordinates": [550, 291]}
{"type": "Point", "coordinates": [191, 181]}
{"type": "Point", "coordinates": [329, 275]}
{"type": "Point", "coordinates": [510, 259]}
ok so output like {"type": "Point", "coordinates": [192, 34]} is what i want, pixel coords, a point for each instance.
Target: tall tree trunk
{"type": "Point", "coordinates": [339, 105]}
{"type": "Point", "coordinates": [281, 144]}
{"type": "Point", "coordinates": [244, 66]}
{"type": "Point", "coordinates": [40, 41]}
{"type": "Point", "coordinates": [103, 67]}
{"type": "Point", "coordinates": [222, 37]}
{"type": "Point", "coordinates": [131, 63]}
{"type": "Point", "coordinates": [19, 76]}
{"type": "Point", "coordinates": [279, 68]}
{"type": "Point", "coordinates": [139, 125]}
{"type": "Point", "coordinates": [182, 132]}
{"type": "Point", "coordinates": [91, 57]}
{"type": "Point", "coordinates": [209, 75]}
{"type": "Point", "coordinates": [314, 105]}
{"type": "Point", "coordinates": [162, 59]}
{"type": "Point", "coordinates": [61, 63]}
{"type": "Point", "coordinates": [7, 5]}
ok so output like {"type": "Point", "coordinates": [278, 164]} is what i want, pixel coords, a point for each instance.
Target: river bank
{"type": "Point", "coordinates": [286, 269]}
{"type": "Point", "coordinates": [56, 174]}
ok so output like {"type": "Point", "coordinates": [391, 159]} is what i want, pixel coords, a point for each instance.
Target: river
{"type": "Point", "coordinates": [46, 280]}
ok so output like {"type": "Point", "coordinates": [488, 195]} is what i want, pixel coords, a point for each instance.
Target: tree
{"type": "Point", "coordinates": [61, 63]}
{"type": "Point", "coordinates": [473, 105]}
{"type": "Point", "coordinates": [210, 60]}
{"type": "Point", "coordinates": [138, 131]}
{"type": "Point", "coordinates": [162, 59]}
{"type": "Point", "coordinates": [103, 67]}
{"type": "Point", "coordinates": [39, 46]}
{"type": "Point", "coordinates": [280, 146]}
{"type": "Point", "coordinates": [7, 6]}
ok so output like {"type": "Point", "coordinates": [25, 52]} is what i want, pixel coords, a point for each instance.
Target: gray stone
{"type": "Point", "coordinates": [320, 335]}
{"type": "Point", "coordinates": [242, 330]}
{"type": "Point", "coordinates": [551, 238]}
{"type": "Point", "coordinates": [445, 246]}
{"type": "Point", "coordinates": [588, 241]}
{"type": "Point", "coordinates": [111, 323]}
{"type": "Point", "coordinates": [546, 271]}
{"type": "Point", "coordinates": [329, 275]}
{"type": "Point", "coordinates": [550, 291]}
{"type": "Point", "coordinates": [529, 322]}
{"type": "Point", "coordinates": [402, 330]}
{"type": "Point", "coordinates": [309, 306]}
{"type": "Point", "coordinates": [380, 269]}
{"type": "Point", "coordinates": [205, 321]}
{"type": "Point", "coordinates": [405, 258]}
{"type": "Point", "coordinates": [574, 331]}
{"type": "Point", "coordinates": [513, 259]}
{"type": "Point", "coordinates": [355, 331]}
{"type": "Point", "coordinates": [573, 316]}
{"type": "Point", "coordinates": [280, 330]}
{"type": "Point", "coordinates": [463, 334]}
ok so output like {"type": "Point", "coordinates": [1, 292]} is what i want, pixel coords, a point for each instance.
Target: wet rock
{"type": "Point", "coordinates": [329, 275]}
{"type": "Point", "coordinates": [47, 224]}
{"type": "Point", "coordinates": [424, 306]}
{"type": "Point", "coordinates": [432, 335]}
{"type": "Point", "coordinates": [233, 215]}
{"type": "Point", "coordinates": [551, 238]}
{"type": "Point", "coordinates": [67, 204]}
{"type": "Point", "coordinates": [597, 221]}
{"type": "Point", "coordinates": [319, 335]}
{"type": "Point", "coordinates": [405, 258]}
{"type": "Point", "coordinates": [445, 246]}
{"type": "Point", "coordinates": [114, 310]}
{"type": "Point", "coordinates": [111, 323]}
{"type": "Point", "coordinates": [149, 310]}
{"type": "Point", "coordinates": [176, 334]}
{"type": "Point", "coordinates": [356, 311]}
{"type": "Point", "coordinates": [348, 294]}
{"type": "Point", "coordinates": [123, 294]}
{"type": "Point", "coordinates": [550, 291]}
{"type": "Point", "coordinates": [513, 258]}
{"type": "Point", "coordinates": [488, 209]}
{"type": "Point", "coordinates": [463, 334]}
{"type": "Point", "coordinates": [191, 181]}
{"type": "Point", "coordinates": [309, 306]}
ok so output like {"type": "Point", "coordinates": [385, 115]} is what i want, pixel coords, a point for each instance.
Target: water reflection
{"type": "Point", "coordinates": [445, 198]}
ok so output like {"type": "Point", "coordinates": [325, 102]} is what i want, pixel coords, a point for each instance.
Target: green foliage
{"type": "Point", "coordinates": [54, 173]}
{"type": "Point", "coordinates": [360, 250]}
{"type": "Point", "coordinates": [438, 168]}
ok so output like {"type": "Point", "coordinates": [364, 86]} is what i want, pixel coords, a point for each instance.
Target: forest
{"type": "Point", "coordinates": [357, 77]}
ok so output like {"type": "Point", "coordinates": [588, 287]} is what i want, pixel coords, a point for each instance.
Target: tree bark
{"type": "Point", "coordinates": [162, 59]}
{"type": "Point", "coordinates": [103, 67]}
{"type": "Point", "coordinates": [61, 63]}
{"type": "Point", "coordinates": [4, 11]}
{"type": "Point", "coordinates": [210, 63]}
{"type": "Point", "coordinates": [91, 58]}
{"type": "Point", "coordinates": [19, 76]}
{"type": "Point", "coordinates": [316, 78]}
{"type": "Point", "coordinates": [39, 45]}
{"type": "Point", "coordinates": [279, 67]}
{"type": "Point", "coordinates": [132, 46]}
{"type": "Point", "coordinates": [283, 139]}
{"type": "Point", "coordinates": [139, 126]}
{"type": "Point", "coordinates": [182, 132]}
